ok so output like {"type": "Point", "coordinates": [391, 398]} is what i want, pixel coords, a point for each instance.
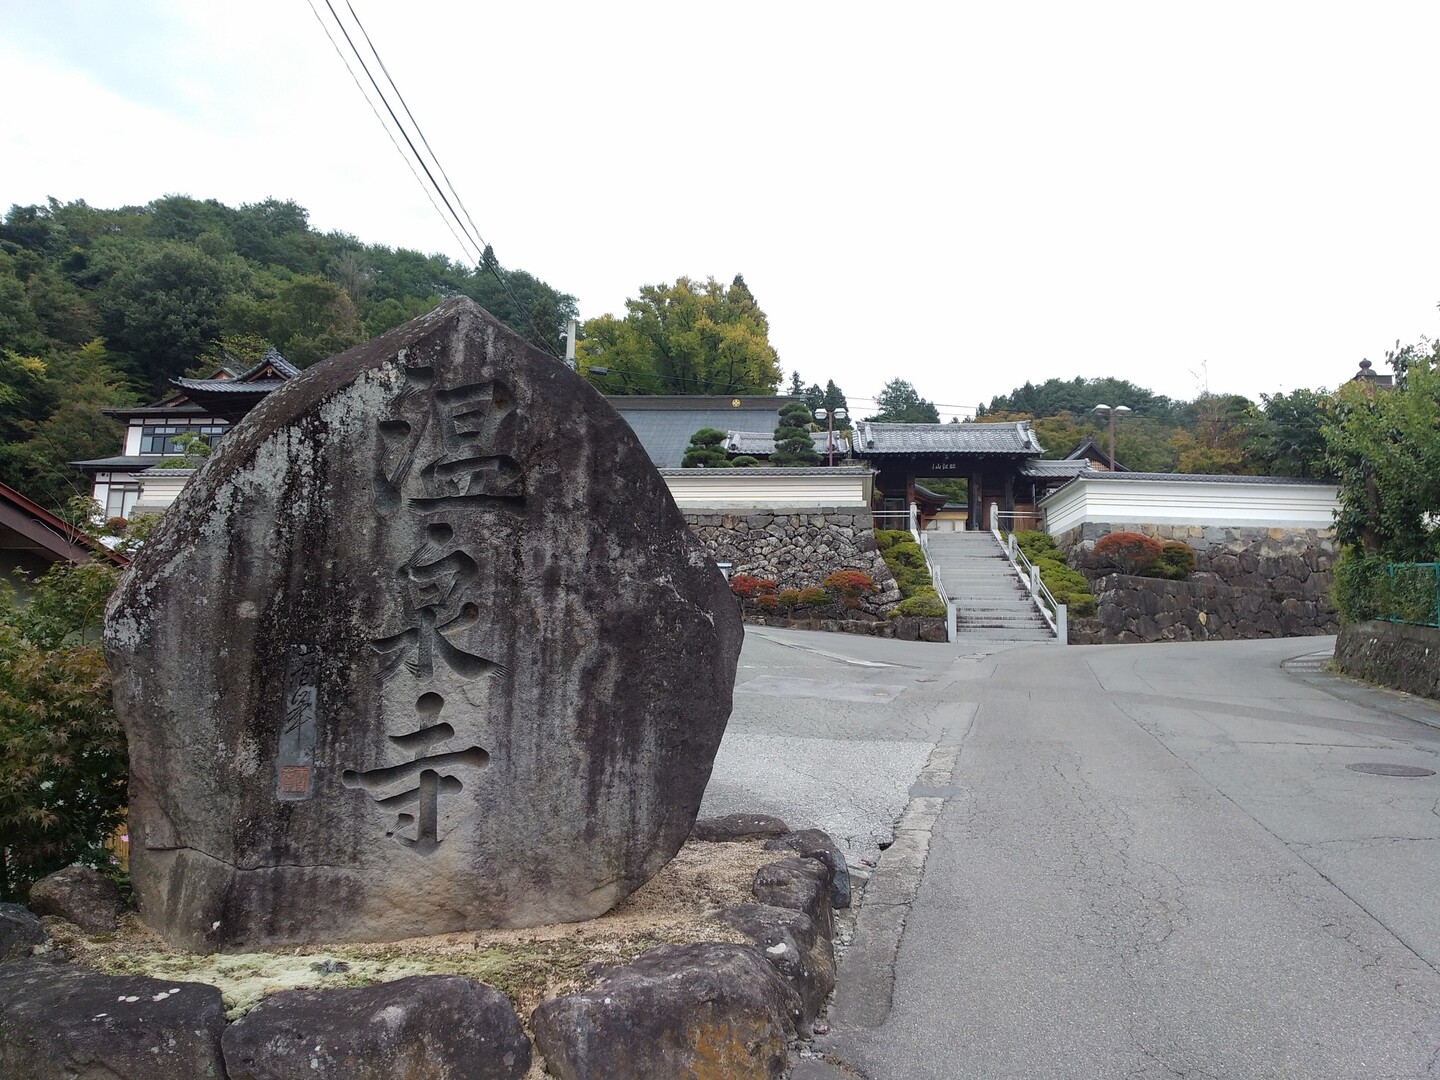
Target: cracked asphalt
{"type": "Point", "coordinates": [1108, 861]}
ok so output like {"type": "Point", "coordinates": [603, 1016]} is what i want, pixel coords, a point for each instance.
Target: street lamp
{"type": "Point", "coordinates": [1112, 410]}
{"type": "Point", "coordinates": [830, 416]}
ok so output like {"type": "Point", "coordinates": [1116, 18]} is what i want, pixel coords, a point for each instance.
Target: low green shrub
{"type": "Point", "coordinates": [1176, 562]}
{"type": "Point", "coordinates": [907, 553]}
{"type": "Point", "coordinates": [926, 605]}
{"type": "Point", "coordinates": [1036, 544]}
{"type": "Point", "coordinates": [814, 596]}
{"type": "Point", "coordinates": [744, 461]}
{"type": "Point", "coordinates": [1067, 585]}
{"type": "Point", "coordinates": [885, 539]}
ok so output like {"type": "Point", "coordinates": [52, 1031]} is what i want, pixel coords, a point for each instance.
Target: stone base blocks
{"type": "Point", "coordinates": [705, 1011]}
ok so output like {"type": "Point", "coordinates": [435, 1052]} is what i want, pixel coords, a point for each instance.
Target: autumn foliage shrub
{"type": "Point", "coordinates": [850, 585]}
{"type": "Point", "coordinates": [748, 586]}
{"type": "Point", "coordinates": [1128, 552]}
{"type": "Point", "coordinates": [814, 596]}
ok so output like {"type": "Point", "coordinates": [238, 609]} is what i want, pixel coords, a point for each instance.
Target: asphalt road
{"type": "Point", "coordinates": [1109, 861]}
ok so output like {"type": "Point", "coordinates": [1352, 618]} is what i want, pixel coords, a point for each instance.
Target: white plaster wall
{"type": "Point", "coordinates": [1191, 502]}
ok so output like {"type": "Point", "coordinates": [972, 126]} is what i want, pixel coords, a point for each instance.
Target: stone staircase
{"type": "Point", "coordinates": [990, 602]}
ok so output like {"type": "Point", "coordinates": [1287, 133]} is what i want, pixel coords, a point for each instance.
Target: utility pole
{"type": "Point", "coordinates": [1112, 410]}
{"type": "Point", "coordinates": [830, 416]}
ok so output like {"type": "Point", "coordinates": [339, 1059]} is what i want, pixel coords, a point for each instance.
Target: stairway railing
{"type": "Point", "coordinates": [1050, 609]}
{"type": "Point", "coordinates": [923, 540]}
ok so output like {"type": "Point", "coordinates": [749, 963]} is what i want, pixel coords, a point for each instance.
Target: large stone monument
{"type": "Point", "coordinates": [425, 647]}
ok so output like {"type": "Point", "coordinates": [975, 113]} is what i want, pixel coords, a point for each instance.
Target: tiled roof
{"type": "Point", "coordinates": [1047, 469]}
{"type": "Point", "coordinates": [1198, 478]}
{"type": "Point", "coordinates": [765, 470]}
{"type": "Point", "coordinates": [763, 442]}
{"type": "Point", "coordinates": [664, 424]}
{"type": "Point", "coordinates": [1010, 438]}
{"type": "Point", "coordinates": [118, 464]}
{"type": "Point", "coordinates": [231, 386]}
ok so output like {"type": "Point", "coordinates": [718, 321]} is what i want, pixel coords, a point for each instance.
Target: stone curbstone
{"type": "Point", "coordinates": [425, 1027]}
{"type": "Point", "coordinates": [709, 1009]}
{"type": "Point", "coordinates": [58, 1022]}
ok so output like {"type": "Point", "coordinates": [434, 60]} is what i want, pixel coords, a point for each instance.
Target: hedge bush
{"type": "Point", "coordinates": [1068, 586]}
{"type": "Point", "coordinates": [1176, 562]}
{"type": "Point", "coordinates": [920, 605]}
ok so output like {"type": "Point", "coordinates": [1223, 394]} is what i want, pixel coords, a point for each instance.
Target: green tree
{"type": "Point", "coordinates": [1384, 449]}
{"type": "Point", "coordinates": [161, 311]}
{"type": "Point", "coordinates": [705, 450]}
{"type": "Point", "coordinates": [62, 752]}
{"type": "Point", "coordinates": [793, 446]}
{"type": "Point", "coordinates": [899, 403]}
{"type": "Point", "coordinates": [36, 461]}
{"type": "Point", "coordinates": [685, 338]}
{"type": "Point", "coordinates": [1215, 441]}
{"type": "Point", "coordinates": [1286, 435]}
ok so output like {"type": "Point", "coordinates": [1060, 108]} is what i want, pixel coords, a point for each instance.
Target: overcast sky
{"type": "Point", "coordinates": [968, 196]}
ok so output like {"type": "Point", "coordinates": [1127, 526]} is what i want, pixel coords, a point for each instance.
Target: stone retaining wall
{"type": "Point", "coordinates": [1249, 582]}
{"type": "Point", "coordinates": [797, 549]}
{"type": "Point", "coordinates": [1136, 609]}
{"type": "Point", "coordinates": [1392, 654]}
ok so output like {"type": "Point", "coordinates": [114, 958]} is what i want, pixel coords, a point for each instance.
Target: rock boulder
{"type": "Point", "coordinates": [707, 1010]}
{"type": "Point", "coordinates": [425, 646]}
{"type": "Point", "coordinates": [426, 1027]}
{"type": "Point", "coordinates": [58, 1022]}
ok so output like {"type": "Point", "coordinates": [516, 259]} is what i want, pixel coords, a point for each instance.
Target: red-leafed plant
{"type": "Point", "coordinates": [1129, 552]}
{"type": "Point", "coordinates": [748, 586]}
{"type": "Point", "coordinates": [850, 585]}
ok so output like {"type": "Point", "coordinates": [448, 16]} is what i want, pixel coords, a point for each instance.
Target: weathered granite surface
{"type": "Point", "coordinates": [425, 1027]}
{"type": "Point", "coordinates": [424, 646]}
{"type": "Point", "coordinates": [706, 1010]}
{"type": "Point", "coordinates": [59, 1022]}
{"type": "Point", "coordinates": [20, 932]}
{"type": "Point", "coordinates": [80, 894]}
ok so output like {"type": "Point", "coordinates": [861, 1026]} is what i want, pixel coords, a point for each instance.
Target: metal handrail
{"type": "Point", "coordinates": [924, 541]}
{"type": "Point", "coordinates": [1056, 615]}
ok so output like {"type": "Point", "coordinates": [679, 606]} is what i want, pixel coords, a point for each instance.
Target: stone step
{"type": "Point", "coordinates": [1004, 636]}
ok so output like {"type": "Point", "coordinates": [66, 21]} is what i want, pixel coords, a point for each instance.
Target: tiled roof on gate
{"type": "Point", "coordinates": [1008, 438]}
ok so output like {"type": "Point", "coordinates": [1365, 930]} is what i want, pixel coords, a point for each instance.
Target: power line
{"type": "Point", "coordinates": [473, 243]}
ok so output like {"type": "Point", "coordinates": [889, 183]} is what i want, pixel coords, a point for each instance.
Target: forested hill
{"type": "Point", "coordinates": [102, 308]}
{"type": "Point", "coordinates": [1215, 433]}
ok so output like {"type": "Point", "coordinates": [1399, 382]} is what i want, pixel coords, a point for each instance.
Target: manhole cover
{"type": "Point", "coordinates": [1382, 768]}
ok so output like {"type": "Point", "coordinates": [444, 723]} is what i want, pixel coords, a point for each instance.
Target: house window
{"type": "Point", "coordinates": [159, 439]}
{"type": "Point", "coordinates": [120, 499]}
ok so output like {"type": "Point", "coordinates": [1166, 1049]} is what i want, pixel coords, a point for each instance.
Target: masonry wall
{"type": "Point", "coordinates": [797, 549]}
{"type": "Point", "coordinates": [1249, 582]}
{"type": "Point", "coordinates": [1393, 654]}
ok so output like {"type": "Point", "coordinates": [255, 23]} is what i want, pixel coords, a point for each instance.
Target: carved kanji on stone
{"type": "Point", "coordinates": [425, 646]}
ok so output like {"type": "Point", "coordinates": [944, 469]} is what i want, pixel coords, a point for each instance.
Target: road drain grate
{"type": "Point", "coordinates": [1382, 768]}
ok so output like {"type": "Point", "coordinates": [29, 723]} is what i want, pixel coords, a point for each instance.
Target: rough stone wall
{"type": "Point", "coordinates": [1392, 654]}
{"type": "Point", "coordinates": [1249, 582]}
{"type": "Point", "coordinates": [797, 549]}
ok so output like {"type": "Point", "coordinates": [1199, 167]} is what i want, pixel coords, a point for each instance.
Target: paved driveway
{"type": "Point", "coordinates": [1130, 861]}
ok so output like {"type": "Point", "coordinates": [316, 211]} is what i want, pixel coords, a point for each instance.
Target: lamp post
{"type": "Point", "coordinates": [1112, 410]}
{"type": "Point", "coordinates": [830, 416]}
